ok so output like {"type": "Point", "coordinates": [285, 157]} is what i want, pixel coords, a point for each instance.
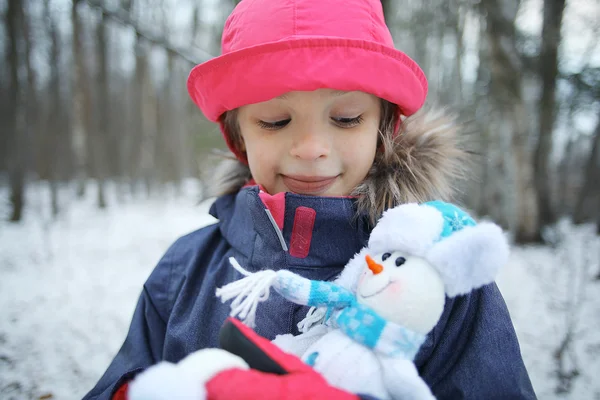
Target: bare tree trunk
{"type": "Point", "coordinates": [420, 35]}
{"type": "Point", "coordinates": [100, 156]}
{"type": "Point", "coordinates": [196, 32]}
{"type": "Point", "coordinates": [548, 71]}
{"type": "Point", "coordinates": [387, 11]}
{"type": "Point", "coordinates": [52, 128]}
{"type": "Point", "coordinates": [32, 115]}
{"type": "Point", "coordinates": [527, 227]}
{"type": "Point", "coordinates": [180, 145]}
{"type": "Point", "coordinates": [167, 154]}
{"type": "Point", "coordinates": [565, 206]}
{"type": "Point", "coordinates": [161, 150]}
{"type": "Point", "coordinates": [138, 115]}
{"type": "Point", "coordinates": [81, 102]}
{"type": "Point", "coordinates": [483, 201]}
{"type": "Point", "coordinates": [148, 107]}
{"type": "Point", "coordinates": [16, 108]}
{"type": "Point", "coordinates": [458, 28]}
{"type": "Point", "coordinates": [511, 118]}
{"type": "Point", "coordinates": [589, 190]}
{"type": "Point", "coordinates": [437, 74]}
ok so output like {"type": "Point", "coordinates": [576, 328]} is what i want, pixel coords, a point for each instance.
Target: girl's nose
{"type": "Point", "coordinates": [311, 146]}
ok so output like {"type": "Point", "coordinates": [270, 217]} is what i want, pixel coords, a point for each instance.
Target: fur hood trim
{"type": "Point", "coordinates": [425, 161]}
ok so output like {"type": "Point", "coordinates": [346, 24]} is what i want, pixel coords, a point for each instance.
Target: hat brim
{"type": "Point", "coordinates": [260, 73]}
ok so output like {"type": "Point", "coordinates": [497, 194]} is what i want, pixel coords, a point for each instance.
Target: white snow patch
{"type": "Point", "coordinates": [548, 289]}
{"type": "Point", "coordinates": [68, 287]}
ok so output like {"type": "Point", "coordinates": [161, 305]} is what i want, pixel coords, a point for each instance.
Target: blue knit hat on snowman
{"type": "Point", "coordinates": [466, 254]}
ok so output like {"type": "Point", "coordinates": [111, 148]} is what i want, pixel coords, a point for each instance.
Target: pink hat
{"type": "Point", "coordinates": [271, 47]}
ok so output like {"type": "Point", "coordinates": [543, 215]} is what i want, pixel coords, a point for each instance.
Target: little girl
{"type": "Point", "coordinates": [316, 104]}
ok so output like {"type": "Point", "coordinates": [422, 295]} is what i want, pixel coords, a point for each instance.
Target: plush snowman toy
{"type": "Point", "coordinates": [366, 327]}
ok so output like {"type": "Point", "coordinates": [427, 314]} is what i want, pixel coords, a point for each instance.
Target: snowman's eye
{"type": "Point", "coordinates": [385, 256]}
{"type": "Point", "coordinates": [400, 261]}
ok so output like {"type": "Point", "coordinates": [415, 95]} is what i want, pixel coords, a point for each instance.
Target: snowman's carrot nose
{"type": "Point", "coordinates": [373, 266]}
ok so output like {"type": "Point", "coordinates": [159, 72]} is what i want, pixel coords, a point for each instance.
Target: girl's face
{"type": "Point", "coordinates": [315, 143]}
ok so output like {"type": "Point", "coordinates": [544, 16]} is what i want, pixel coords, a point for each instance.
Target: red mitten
{"type": "Point", "coordinates": [274, 374]}
{"type": "Point", "coordinates": [247, 367]}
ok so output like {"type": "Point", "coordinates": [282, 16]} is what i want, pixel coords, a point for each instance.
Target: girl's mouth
{"type": "Point", "coordinates": [311, 185]}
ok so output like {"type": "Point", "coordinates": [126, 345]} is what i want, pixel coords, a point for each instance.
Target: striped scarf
{"type": "Point", "coordinates": [358, 321]}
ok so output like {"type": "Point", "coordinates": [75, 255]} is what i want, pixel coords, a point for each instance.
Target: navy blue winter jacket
{"type": "Point", "coordinates": [472, 353]}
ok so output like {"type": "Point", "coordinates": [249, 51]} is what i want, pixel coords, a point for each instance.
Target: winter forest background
{"type": "Point", "coordinates": [102, 159]}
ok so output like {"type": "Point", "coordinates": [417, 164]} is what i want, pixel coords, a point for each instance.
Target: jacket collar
{"type": "Point", "coordinates": [289, 230]}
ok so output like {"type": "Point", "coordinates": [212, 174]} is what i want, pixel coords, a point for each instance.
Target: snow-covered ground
{"type": "Point", "coordinates": [553, 293]}
{"type": "Point", "coordinates": [68, 288]}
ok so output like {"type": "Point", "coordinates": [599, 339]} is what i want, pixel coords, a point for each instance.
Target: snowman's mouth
{"type": "Point", "coordinates": [371, 288]}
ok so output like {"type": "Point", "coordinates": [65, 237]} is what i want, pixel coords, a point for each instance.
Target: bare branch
{"type": "Point", "coordinates": [193, 56]}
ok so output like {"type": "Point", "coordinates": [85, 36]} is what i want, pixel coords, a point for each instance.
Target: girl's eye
{"type": "Point", "coordinates": [385, 256]}
{"type": "Point", "coordinates": [400, 261]}
{"type": "Point", "coordinates": [348, 122]}
{"type": "Point", "coordinates": [272, 126]}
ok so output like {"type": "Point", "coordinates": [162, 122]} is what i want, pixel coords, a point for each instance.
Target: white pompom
{"type": "Point", "coordinates": [164, 381]}
{"type": "Point", "coordinates": [185, 380]}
